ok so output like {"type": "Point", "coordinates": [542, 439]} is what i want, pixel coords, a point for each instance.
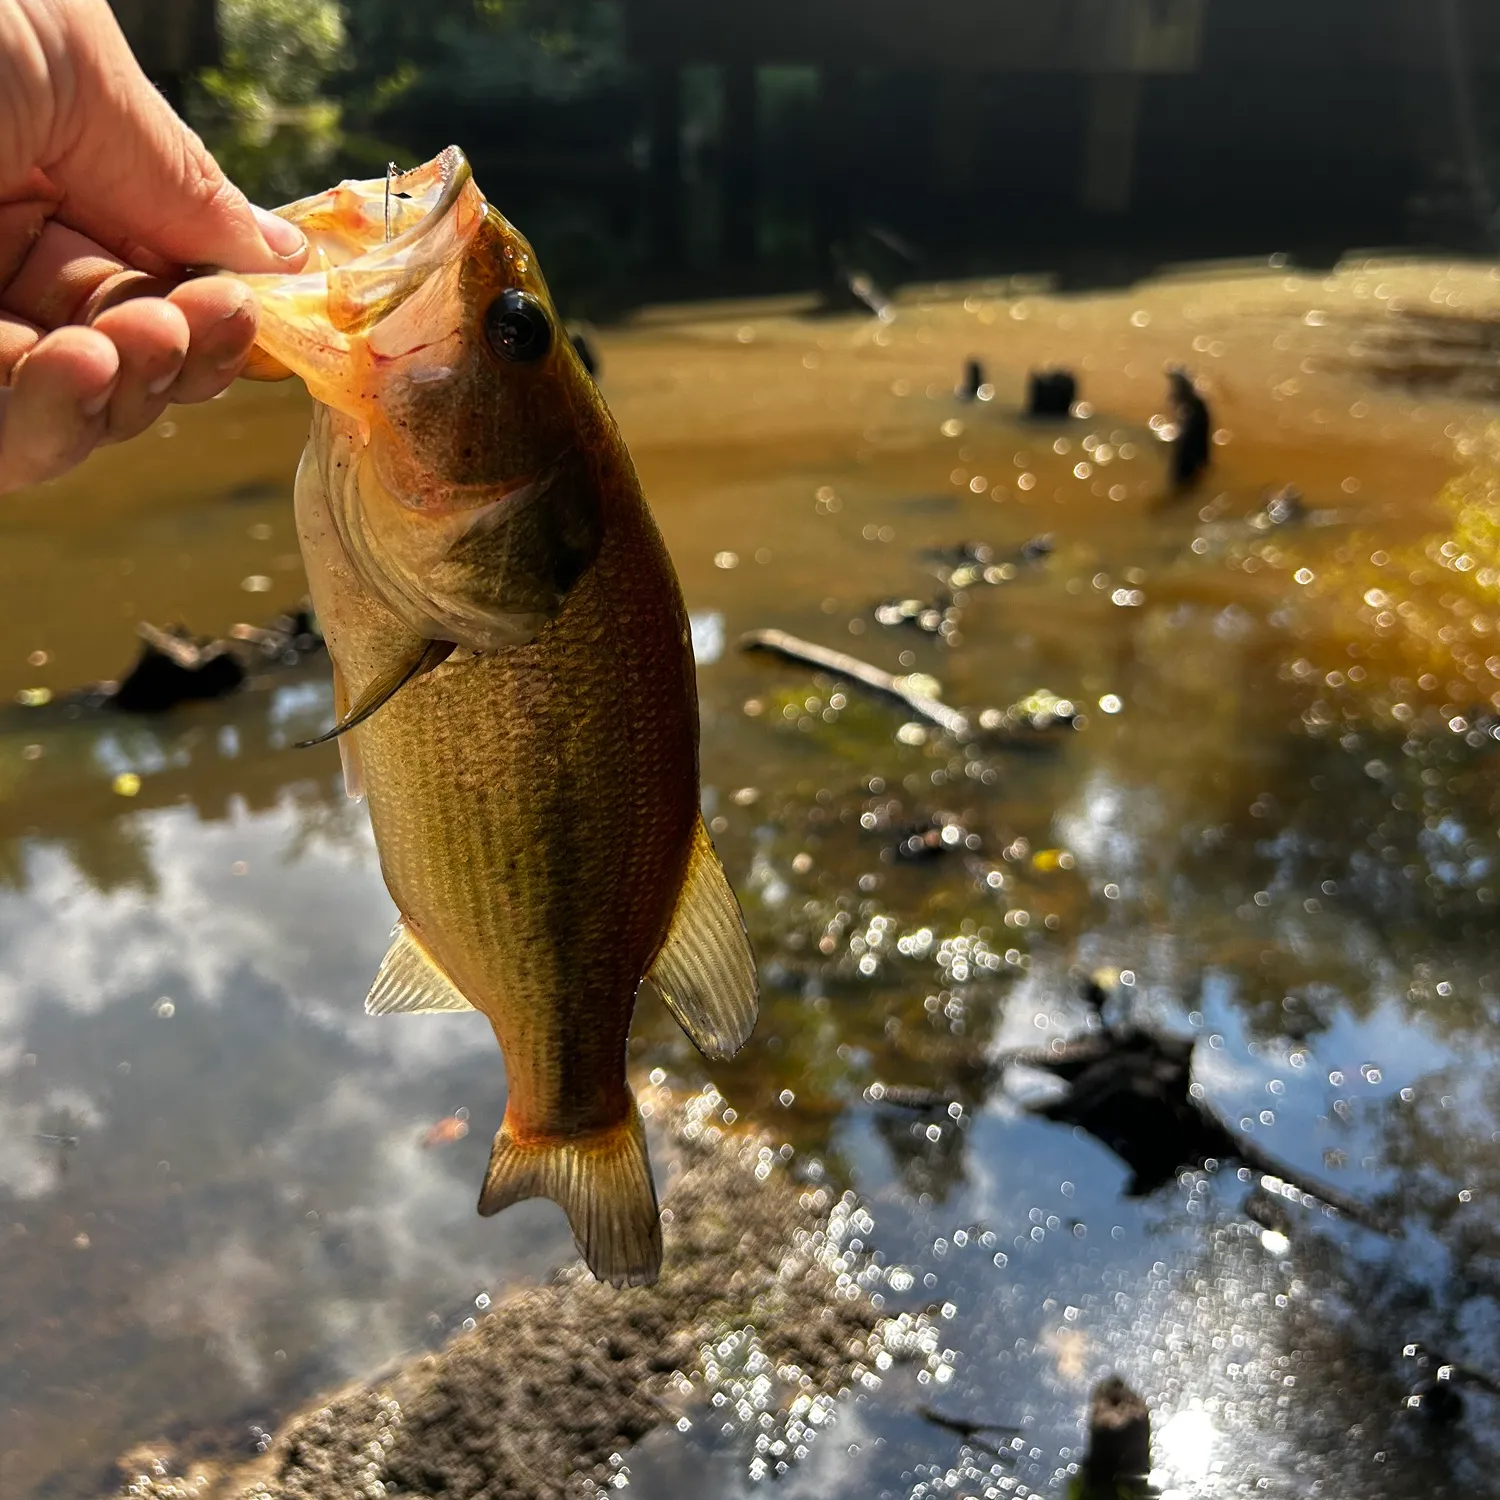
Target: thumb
{"type": "Point", "coordinates": [138, 181]}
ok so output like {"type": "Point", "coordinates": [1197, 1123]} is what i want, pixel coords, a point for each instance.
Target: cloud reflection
{"type": "Point", "coordinates": [248, 1189]}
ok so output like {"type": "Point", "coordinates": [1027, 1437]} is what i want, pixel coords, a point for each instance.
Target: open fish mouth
{"type": "Point", "coordinates": [386, 216]}
{"type": "Point", "coordinates": [375, 244]}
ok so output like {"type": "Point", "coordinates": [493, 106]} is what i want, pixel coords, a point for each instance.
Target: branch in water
{"type": "Point", "coordinates": [1039, 712]}
{"type": "Point", "coordinates": [971, 1432]}
{"type": "Point", "coordinates": [780, 643]}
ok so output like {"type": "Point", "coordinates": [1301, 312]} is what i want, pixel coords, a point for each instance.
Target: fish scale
{"type": "Point", "coordinates": [545, 910]}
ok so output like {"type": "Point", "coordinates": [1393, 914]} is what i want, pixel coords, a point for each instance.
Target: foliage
{"type": "Point", "coordinates": [283, 50]}
{"type": "Point", "coordinates": [307, 86]}
{"type": "Point", "coordinates": [264, 112]}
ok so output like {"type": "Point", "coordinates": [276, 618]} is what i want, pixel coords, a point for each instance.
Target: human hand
{"type": "Point", "coordinates": [105, 197]}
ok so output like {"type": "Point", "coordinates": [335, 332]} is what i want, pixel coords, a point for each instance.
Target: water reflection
{"type": "Point", "coordinates": [249, 1210]}
{"type": "Point", "coordinates": [1294, 876]}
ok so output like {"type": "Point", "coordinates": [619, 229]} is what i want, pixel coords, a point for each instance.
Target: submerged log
{"type": "Point", "coordinates": [174, 668]}
{"type": "Point", "coordinates": [1131, 1088]}
{"type": "Point", "coordinates": [1050, 394]}
{"type": "Point", "coordinates": [1119, 1451]}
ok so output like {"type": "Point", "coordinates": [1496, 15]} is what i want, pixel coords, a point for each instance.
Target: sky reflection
{"type": "Point", "coordinates": [249, 1193]}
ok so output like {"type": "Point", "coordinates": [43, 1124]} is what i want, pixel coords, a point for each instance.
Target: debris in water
{"type": "Point", "coordinates": [454, 1128]}
{"type": "Point", "coordinates": [907, 1096]}
{"type": "Point", "coordinates": [1132, 1089]}
{"type": "Point", "coordinates": [1050, 394]}
{"type": "Point", "coordinates": [1193, 430]}
{"type": "Point", "coordinates": [967, 565]}
{"type": "Point", "coordinates": [939, 617]}
{"type": "Point", "coordinates": [176, 667]}
{"type": "Point", "coordinates": [971, 1432]}
{"type": "Point", "coordinates": [1284, 507]}
{"type": "Point", "coordinates": [1119, 1451]}
{"type": "Point", "coordinates": [287, 639]}
{"type": "Point", "coordinates": [902, 689]}
{"type": "Point", "coordinates": [936, 836]}
{"type": "Point", "coordinates": [974, 386]}
{"type": "Point", "coordinates": [1038, 711]}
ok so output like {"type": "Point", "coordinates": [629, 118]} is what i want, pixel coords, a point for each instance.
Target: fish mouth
{"type": "Point", "coordinates": [374, 244]}
{"type": "Point", "coordinates": [385, 217]}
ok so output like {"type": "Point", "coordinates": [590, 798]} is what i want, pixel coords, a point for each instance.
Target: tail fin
{"type": "Point", "coordinates": [602, 1181]}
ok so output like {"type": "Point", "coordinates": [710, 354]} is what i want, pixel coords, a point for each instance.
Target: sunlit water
{"type": "Point", "coordinates": [220, 1189]}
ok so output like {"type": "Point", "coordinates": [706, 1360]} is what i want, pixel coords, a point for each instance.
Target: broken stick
{"type": "Point", "coordinates": [841, 664]}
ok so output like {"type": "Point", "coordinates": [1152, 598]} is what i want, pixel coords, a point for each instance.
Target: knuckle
{"type": "Point", "coordinates": [204, 185]}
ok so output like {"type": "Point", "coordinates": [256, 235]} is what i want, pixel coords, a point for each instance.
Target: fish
{"type": "Point", "coordinates": [514, 684]}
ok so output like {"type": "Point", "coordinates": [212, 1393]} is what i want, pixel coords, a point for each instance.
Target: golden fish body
{"type": "Point", "coordinates": [534, 794]}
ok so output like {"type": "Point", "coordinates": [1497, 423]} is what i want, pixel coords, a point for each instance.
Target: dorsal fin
{"type": "Point", "coordinates": [410, 982]}
{"type": "Point", "coordinates": [354, 771]}
{"type": "Point", "coordinates": [705, 971]}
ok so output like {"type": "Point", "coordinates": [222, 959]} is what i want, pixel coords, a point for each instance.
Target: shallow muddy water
{"type": "Point", "coordinates": [1275, 826]}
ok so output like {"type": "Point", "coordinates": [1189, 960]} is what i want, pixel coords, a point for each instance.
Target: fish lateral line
{"type": "Point", "coordinates": [385, 687]}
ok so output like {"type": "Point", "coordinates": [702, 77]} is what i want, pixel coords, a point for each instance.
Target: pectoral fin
{"type": "Point", "coordinates": [354, 771]}
{"type": "Point", "coordinates": [410, 980]}
{"type": "Point", "coordinates": [705, 971]}
{"type": "Point", "coordinates": [385, 687]}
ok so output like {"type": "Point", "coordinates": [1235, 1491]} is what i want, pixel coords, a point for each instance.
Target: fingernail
{"type": "Point", "coordinates": [285, 240]}
{"type": "Point", "coordinates": [163, 383]}
{"type": "Point", "coordinates": [236, 299]}
{"type": "Point", "coordinates": [94, 405]}
{"type": "Point", "coordinates": [230, 332]}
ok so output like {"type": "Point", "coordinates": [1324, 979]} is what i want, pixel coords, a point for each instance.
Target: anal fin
{"type": "Point", "coordinates": [410, 981]}
{"type": "Point", "coordinates": [601, 1180]}
{"type": "Point", "coordinates": [705, 971]}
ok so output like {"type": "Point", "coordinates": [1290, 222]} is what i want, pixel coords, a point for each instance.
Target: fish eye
{"type": "Point", "coordinates": [518, 327]}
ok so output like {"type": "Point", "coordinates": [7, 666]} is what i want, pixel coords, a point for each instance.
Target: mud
{"type": "Point", "coordinates": [557, 1382]}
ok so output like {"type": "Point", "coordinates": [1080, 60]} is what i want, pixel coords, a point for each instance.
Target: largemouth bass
{"type": "Point", "coordinates": [513, 678]}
